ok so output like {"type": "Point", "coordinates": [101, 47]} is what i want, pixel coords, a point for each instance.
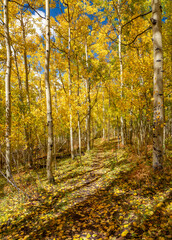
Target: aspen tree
{"type": "Point", "coordinates": [104, 115]}
{"type": "Point", "coordinates": [27, 128]}
{"type": "Point", "coordinates": [109, 126]}
{"type": "Point", "coordinates": [70, 81]}
{"type": "Point", "coordinates": [48, 97]}
{"type": "Point", "coordinates": [79, 123]}
{"type": "Point", "coordinates": [88, 118]}
{"type": "Point", "coordinates": [88, 100]}
{"type": "Point", "coordinates": [121, 68]}
{"type": "Point", "coordinates": [8, 90]}
{"type": "Point", "coordinates": [158, 95]}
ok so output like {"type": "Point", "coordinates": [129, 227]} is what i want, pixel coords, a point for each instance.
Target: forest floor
{"type": "Point", "coordinates": [108, 194]}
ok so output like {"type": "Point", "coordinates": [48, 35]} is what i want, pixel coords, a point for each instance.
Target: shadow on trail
{"type": "Point", "coordinates": [100, 207]}
{"type": "Point", "coordinates": [69, 218]}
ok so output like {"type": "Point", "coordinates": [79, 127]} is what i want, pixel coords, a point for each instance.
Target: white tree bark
{"type": "Point", "coordinates": [104, 115]}
{"type": "Point", "coordinates": [158, 96]}
{"type": "Point", "coordinates": [7, 91]}
{"type": "Point", "coordinates": [70, 85]}
{"type": "Point", "coordinates": [79, 124]}
{"type": "Point", "coordinates": [27, 127]}
{"type": "Point", "coordinates": [121, 69]}
{"type": "Point", "coordinates": [109, 125]}
{"type": "Point", "coordinates": [88, 118]}
{"type": "Point", "coordinates": [48, 98]}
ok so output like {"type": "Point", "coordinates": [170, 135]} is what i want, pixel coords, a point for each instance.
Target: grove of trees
{"type": "Point", "coordinates": [72, 71]}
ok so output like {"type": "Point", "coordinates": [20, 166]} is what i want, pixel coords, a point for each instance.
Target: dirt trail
{"type": "Point", "coordinates": [100, 198]}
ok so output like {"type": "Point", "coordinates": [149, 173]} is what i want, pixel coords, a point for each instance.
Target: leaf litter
{"type": "Point", "coordinates": [111, 194]}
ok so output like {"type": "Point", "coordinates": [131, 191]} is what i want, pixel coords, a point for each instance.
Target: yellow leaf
{"type": "Point", "coordinates": [134, 224]}
{"type": "Point", "coordinates": [124, 233]}
{"type": "Point", "coordinates": [88, 235]}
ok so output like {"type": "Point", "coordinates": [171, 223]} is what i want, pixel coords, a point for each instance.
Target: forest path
{"type": "Point", "coordinates": [98, 198]}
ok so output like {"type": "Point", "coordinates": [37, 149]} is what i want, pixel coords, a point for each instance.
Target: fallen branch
{"type": "Point", "coordinates": [14, 185]}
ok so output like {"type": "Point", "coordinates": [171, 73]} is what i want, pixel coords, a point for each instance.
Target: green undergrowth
{"type": "Point", "coordinates": [107, 194]}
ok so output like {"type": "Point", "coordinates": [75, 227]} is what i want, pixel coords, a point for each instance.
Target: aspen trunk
{"type": "Point", "coordinates": [21, 93]}
{"type": "Point", "coordinates": [18, 76]}
{"type": "Point", "coordinates": [158, 96]}
{"type": "Point", "coordinates": [7, 91]}
{"type": "Point", "coordinates": [27, 128]}
{"type": "Point", "coordinates": [88, 119]}
{"type": "Point", "coordinates": [55, 163]}
{"type": "Point", "coordinates": [103, 116]}
{"type": "Point", "coordinates": [121, 70]}
{"type": "Point", "coordinates": [79, 124]}
{"type": "Point", "coordinates": [118, 132]}
{"type": "Point", "coordinates": [131, 131]}
{"type": "Point", "coordinates": [109, 125]}
{"type": "Point", "coordinates": [70, 87]}
{"type": "Point", "coordinates": [48, 98]}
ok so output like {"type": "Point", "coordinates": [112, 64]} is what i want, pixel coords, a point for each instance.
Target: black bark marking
{"type": "Point", "coordinates": [154, 21]}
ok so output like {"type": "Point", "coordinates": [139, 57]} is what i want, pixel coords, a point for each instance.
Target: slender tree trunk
{"type": "Point", "coordinates": [18, 75]}
{"type": "Point", "coordinates": [8, 91]}
{"type": "Point", "coordinates": [131, 121]}
{"type": "Point", "coordinates": [121, 69]}
{"type": "Point", "coordinates": [48, 98]}
{"type": "Point", "coordinates": [55, 163]}
{"type": "Point", "coordinates": [70, 86]}
{"type": "Point", "coordinates": [92, 134]}
{"type": "Point", "coordinates": [25, 60]}
{"type": "Point", "coordinates": [103, 116]}
{"type": "Point", "coordinates": [21, 93]}
{"type": "Point", "coordinates": [158, 96]}
{"type": "Point", "coordinates": [131, 129]}
{"type": "Point", "coordinates": [88, 118]}
{"type": "Point", "coordinates": [109, 125]}
{"type": "Point", "coordinates": [79, 124]}
{"type": "Point", "coordinates": [27, 128]}
{"type": "Point", "coordinates": [118, 131]}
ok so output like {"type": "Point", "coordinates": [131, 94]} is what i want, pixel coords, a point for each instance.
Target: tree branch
{"type": "Point", "coordinates": [29, 6]}
{"type": "Point", "coordinates": [141, 15]}
{"type": "Point", "coordinates": [112, 39]}
{"type": "Point", "coordinates": [136, 37]}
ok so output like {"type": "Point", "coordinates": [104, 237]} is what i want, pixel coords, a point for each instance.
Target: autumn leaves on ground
{"type": "Point", "coordinates": [108, 194]}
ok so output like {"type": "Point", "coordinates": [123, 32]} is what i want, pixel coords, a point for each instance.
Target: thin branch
{"type": "Point", "coordinates": [36, 11]}
{"type": "Point", "coordinates": [112, 39]}
{"type": "Point", "coordinates": [2, 35]}
{"type": "Point", "coordinates": [59, 49]}
{"type": "Point", "coordinates": [55, 30]}
{"type": "Point", "coordinates": [141, 15]}
{"type": "Point", "coordinates": [62, 83]}
{"type": "Point", "coordinates": [2, 23]}
{"type": "Point", "coordinates": [123, 3]}
{"type": "Point", "coordinates": [29, 6]}
{"type": "Point", "coordinates": [127, 44]}
{"type": "Point", "coordinates": [62, 10]}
